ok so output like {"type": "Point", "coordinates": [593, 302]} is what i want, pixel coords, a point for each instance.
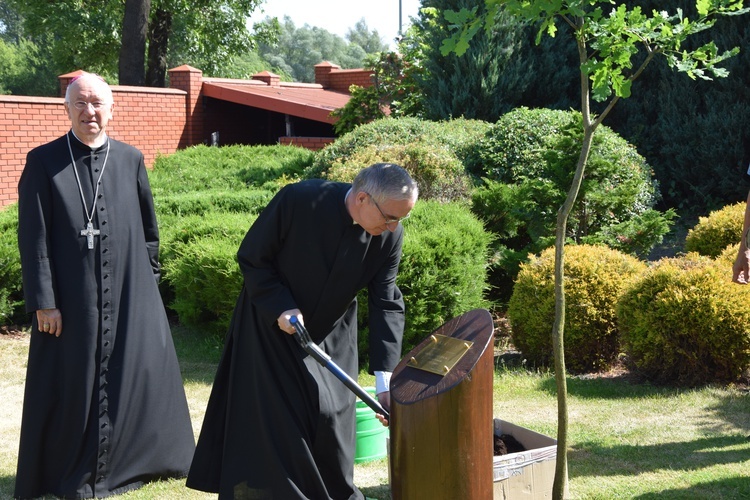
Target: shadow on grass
{"type": "Point", "coordinates": [730, 488]}
{"type": "Point", "coordinates": [592, 459]}
{"type": "Point", "coordinates": [731, 407]}
{"type": "Point", "coordinates": [198, 354]}
{"type": "Point", "coordinates": [380, 492]}
{"type": "Point", "coordinates": [7, 484]}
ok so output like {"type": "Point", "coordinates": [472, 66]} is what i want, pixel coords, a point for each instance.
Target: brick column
{"type": "Point", "coordinates": [66, 79]}
{"type": "Point", "coordinates": [323, 73]}
{"type": "Point", "coordinates": [270, 79]}
{"type": "Point", "coordinates": [190, 80]}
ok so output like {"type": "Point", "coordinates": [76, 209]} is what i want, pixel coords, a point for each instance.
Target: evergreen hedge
{"type": "Point", "coordinates": [11, 295]}
{"type": "Point", "coordinates": [432, 152]}
{"type": "Point", "coordinates": [719, 230]}
{"type": "Point", "coordinates": [684, 322]}
{"type": "Point", "coordinates": [527, 160]}
{"type": "Point", "coordinates": [595, 277]}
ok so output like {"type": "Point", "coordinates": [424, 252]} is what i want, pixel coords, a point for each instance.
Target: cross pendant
{"type": "Point", "coordinates": [89, 233]}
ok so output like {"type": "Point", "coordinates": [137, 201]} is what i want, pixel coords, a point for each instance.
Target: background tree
{"type": "Point", "coordinates": [133, 47]}
{"type": "Point", "coordinates": [393, 93]}
{"type": "Point", "coordinates": [89, 34]}
{"type": "Point", "coordinates": [696, 179]}
{"type": "Point", "coordinates": [694, 132]}
{"type": "Point", "coordinates": [75, 33]}
{"type": "Point", "coordinates": [607, 43]}
{"type": "Point", "coordinates": [298, 50]}
{"type": "Point", "coordinates": [370, 41]}
{"type": "Point", "coordinates": [24, 68]}
{"type": "Point", "coordinates": [10, 23]}
{"type": "Point", "coordinates": [468, 86]}
{"type": "Point", "coordinates": [206, 34]}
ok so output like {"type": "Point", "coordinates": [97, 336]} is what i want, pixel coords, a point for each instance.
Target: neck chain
{"type": "Point", "coordinates": [89, 232]}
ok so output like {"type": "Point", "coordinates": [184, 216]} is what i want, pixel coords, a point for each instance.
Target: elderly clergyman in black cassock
{"type": "Point", "coordinates": [278, 424]}
{"type": "Point", "coordinates": [104, 407]}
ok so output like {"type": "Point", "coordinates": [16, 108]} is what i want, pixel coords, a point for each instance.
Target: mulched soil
{"type": "Point", "coordinates": [13, 332]}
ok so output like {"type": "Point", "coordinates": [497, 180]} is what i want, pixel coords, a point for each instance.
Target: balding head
{"type": "Point", "coordinates": [88, 102]}
{"type": "Point", "coordinates": [88, 79]}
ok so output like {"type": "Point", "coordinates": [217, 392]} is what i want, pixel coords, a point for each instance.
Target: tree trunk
{"type": "Point", "coordinates": [560, 484]}
{"type": "Point", "coordinates": [161, 27]}
{"type": "Point", "coordinates": [133, 48]}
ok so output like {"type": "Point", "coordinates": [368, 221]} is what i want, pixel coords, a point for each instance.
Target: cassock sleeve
{"type": "Point", "coordinates": [256, 257]}
{"type": "Point", "coordinates": [386, 313]}
{"type": "Point", "coordinates": [34, 219]}
{"type": "Point", "coordinates": [148, 216]}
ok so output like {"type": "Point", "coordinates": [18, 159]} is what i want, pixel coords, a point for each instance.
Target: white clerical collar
{"type": "Point", "coordinates": [96, 146]}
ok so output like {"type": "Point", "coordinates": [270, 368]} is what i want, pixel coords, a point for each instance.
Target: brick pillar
{"type": "Point", "coordinates": [268, 78]}
{"type": "Point", "coordinates": [190, 80]}
{"type": "Point", "coordinates": [66, 79]}
{"type": "Point", "coordinates": [323, 73]}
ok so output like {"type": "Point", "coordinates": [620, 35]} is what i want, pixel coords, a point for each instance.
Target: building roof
{"type": "Point", "coordinates": [305, 100]}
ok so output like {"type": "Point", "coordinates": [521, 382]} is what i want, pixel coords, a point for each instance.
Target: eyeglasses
{"type": "Point", "coordinates": [387, 220]}
{"type": "Point", "coordinates": [97, 105]}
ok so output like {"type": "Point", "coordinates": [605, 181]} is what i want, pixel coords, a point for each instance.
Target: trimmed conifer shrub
{"type": "Point", "coordinates": [432, 152]}
{"type": "Point", "coordinates": [712, 234]}
{"type": "Point", "coordinates": [230, 168]}
{"type": "Point", "coordinates": [527, 161]}
{"type": "Point", "coordinates": [683, 322]}
{"type": "Point", "coordinates": [11, 294]}
{"type": "Point", "coordinates": [205, 278]}
{"type": "Point", "coordinates": [595, 276]}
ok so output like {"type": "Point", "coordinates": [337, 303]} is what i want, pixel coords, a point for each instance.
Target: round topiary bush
{"type": "Point", "coordinates": [438, 173]}
{"type": "Point", "coordinates": [712, 234]}
{"type": "Point", "coordinates": [185, 243]}
{"type": "Point", "coordinates": [683, 322]}
{"type": "Point", "coordinates": [527, 161]}
{"type": "Point", "coordinates": [432, 152]}
{"type": "Point", "coordinates": [595, 276]}
{"type": "Point", "coordinates": [728, 256]}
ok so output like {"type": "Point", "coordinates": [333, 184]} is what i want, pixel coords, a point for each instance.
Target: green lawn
{"type": "Point", "coordinates": [626, 440]}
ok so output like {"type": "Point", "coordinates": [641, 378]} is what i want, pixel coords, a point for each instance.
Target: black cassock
{"type": "Point", "coordinates": [104, 406]}
{"type": "Point", "coordinates": [278, 425]}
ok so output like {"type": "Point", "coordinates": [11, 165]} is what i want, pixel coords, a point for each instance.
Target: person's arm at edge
{"type": "Point", "coordinates": [741, 266]}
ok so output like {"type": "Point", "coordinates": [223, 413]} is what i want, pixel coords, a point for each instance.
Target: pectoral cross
{"type": "Point", "coordinates": [89, 233]}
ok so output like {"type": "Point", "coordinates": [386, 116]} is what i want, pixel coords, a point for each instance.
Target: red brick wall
{"type": "Point", "coordinates": [25, 122]}
{"type": "Point", "coordinates": [342, 79]}
{"type": "Point", "coordinates": [332, 77]}
{"type": "Point", "coordinates": [156, 121]}
{"type": "Point", "coordinates": [312, 143]}
{"type": "Point", "coordinates": [153, 120]}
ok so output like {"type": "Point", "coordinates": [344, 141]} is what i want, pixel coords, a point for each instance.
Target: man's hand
{"type": "Point", "coordinates": [384, 398]}
{"type": "Point", "coordinates": [284, 323]}
{"type": "Point", "coordinates": [49, 321]}
{"type": "Point", "coordinates": [741, 267]}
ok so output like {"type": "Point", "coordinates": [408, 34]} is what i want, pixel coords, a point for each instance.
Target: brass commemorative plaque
{"type": "Point", "coordinates": [440, 355]}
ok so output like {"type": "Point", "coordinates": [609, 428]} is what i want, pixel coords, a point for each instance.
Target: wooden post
{"type": "Point", "coordinates": [441, 425]}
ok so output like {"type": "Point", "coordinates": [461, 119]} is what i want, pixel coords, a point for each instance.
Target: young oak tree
{"type": "Point", "coordinates": [615, 45]}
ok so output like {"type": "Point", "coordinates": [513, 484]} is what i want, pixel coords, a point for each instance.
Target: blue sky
{"type": "Point", "coordinates": [337, 16]}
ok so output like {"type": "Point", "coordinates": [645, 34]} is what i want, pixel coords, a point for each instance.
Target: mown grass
{"type": "Point", "coordinates": [626, 440]}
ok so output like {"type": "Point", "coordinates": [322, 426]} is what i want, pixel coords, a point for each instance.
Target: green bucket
{"type": "Point", "coordinates": [371, 435]}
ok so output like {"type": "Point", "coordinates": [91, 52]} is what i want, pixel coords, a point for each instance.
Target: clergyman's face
{"type": "Point", "coordinates": [94, 98]}
{"type": "Point", "coordinates": [373, 216]}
